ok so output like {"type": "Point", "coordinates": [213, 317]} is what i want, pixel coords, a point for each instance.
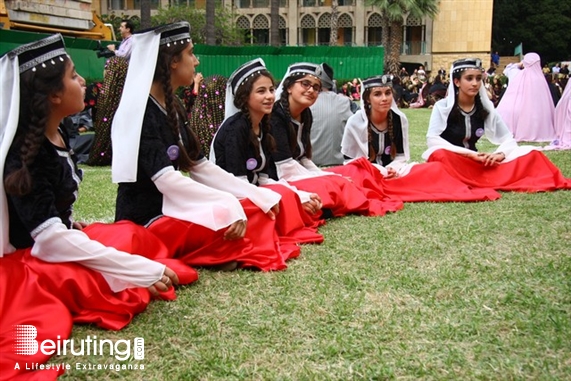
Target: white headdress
{"type": "Point", "coordinates": [355, 142]}
{"type": "Point", "coordinates": [236, 80]}
{"type": "Point", "coordinates": [33, 56]}
{"type": "Point", "coordinates": [128, 120]}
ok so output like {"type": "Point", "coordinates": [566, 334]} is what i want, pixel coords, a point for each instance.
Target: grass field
{"type": "Point", "coordinates": [437, 291]}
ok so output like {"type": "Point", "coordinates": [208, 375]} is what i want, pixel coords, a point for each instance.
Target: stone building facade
{"type": "Point", "coordinates": [462, 28]}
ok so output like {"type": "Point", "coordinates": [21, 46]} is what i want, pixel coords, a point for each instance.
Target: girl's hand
{"type": "Point", "coordinates": [313, 205]}
{"type": "Point", "coordinates": [494, 158]}
{"type": "Point", "coordinates": [479, 157]}
{"type": "Point", "coordinates": [272, 213]}
{"type": "Point", "coordinates": [236, 231]}
{"type": "Point", "coordinates": [79, 225]}
{"type": "Point", "coordinates": [488, 159]}
{"type": "Point", "coordinates": [391, 174]}
{"type": "Point", "coordinates": [168, 279]}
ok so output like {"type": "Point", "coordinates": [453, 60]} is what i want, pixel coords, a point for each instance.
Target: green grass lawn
{"type": "Point", "coordinates": [436, 291]}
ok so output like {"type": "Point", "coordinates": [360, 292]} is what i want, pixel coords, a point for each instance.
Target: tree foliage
{"type": "Point", "coordinates": [395, 11]}
{"type": "Point", "coordinates": [542, 26]}
{"type": "Point", "coordinates": [224, 28]}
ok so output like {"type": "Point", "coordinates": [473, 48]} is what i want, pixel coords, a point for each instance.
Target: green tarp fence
{"type": "Point", "coordinates": [347, 62]}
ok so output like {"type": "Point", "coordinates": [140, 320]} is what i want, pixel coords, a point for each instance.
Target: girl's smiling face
{"type": "Point", "coordinates": [262, 96]}
{"type": "Point", "coordinates": [305, 90]}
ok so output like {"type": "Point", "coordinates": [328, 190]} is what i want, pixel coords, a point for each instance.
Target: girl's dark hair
{"type": "Point", "coordinates": [306, 116]}
{"type": "Point", "coordinates": [241, 102]}
{"type": "Point", "coordinates": [175, 109]}
{"type": "Point", "coordinates": [455, 114]}
{"type": "Point", "coordinates": [372, 153]}
{"type": "Point", "coordinates": [35, 90]}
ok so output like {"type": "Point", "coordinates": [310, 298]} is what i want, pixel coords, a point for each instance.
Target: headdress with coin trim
{"type": "Point", "coordinates": [34, 56]}
{"type": "Point", "coordinates": [376, 81]}
{"type": "Point", "coordinates": [298, 69]}
{"type": "Point", "coordinates": [237, 78]}
{"type": "Point", "coordinates": [128, 120]}
{"type": "Point", "coordinates": [467, 63]}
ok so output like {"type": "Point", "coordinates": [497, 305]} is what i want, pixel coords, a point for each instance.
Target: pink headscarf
{"type": "Point", "coordinates": [527, 107]}
{"type": "Point", "coordinates": [563, 120]}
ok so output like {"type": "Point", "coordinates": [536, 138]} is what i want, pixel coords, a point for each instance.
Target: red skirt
{"type": "Point", "coordinates": [343, 197]}
{"type": "Point", "coordinates": [23, 302]}
{"type": "Point", "coordinates": [532, 172]}
{"type": "Point", "coordinates": [425, 182]}
{"type": "Point", "coordinates": [196, 245]}
{"type": "Point", "coordinates": [293, 224]}
{"type": "Point", "coordinates": [85, 292]}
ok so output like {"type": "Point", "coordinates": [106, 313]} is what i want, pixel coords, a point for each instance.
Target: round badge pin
{"type": "Point", "coordinates": [251, 164]}
{"type": "Point", "coordinates": [479, 132]}
{"type": "Point", "coordinates": [173, 152]}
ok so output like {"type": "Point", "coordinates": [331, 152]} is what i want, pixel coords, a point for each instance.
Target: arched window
{"type": "Point", "coordinates": [374, 30]}
{"type": "Point", "coordinates": [244, 24]}
{"type": "Point", "coordinates": [345, 32]}
{"type": "Point", "coordinates": [414, 36]}
{"type": "Point", "coordinates": [283, 31]}
{"type": "Point", "coordinates": [308, 30]}
{"type": "Point", "coordinates": [324, 29]}
{"type": "Point", "coordinates": [261, 30]}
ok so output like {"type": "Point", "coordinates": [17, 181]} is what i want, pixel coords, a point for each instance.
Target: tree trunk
{"type": "Point", "coordinates": [334, 19]}
{"type": "Point", "coordinates": [145, 14]}
{"type": "Point", "coordinates": [210, 28]}
{"type": "Point", "coordinates": [385, 38]}
{"type": "Point", "coordinates": [395, 45]}
{"type": "Point", "coordinates": [275, 23]}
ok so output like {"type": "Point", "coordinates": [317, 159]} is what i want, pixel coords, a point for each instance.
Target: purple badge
{"type": "Point", "coordinates": [251, 164]}
{"type": "Point", "coordinates": [173, 152]}
{"type": "Point", "coordinates": [387, 150]}
{"type": "Point", "coordinates": [479, 132]}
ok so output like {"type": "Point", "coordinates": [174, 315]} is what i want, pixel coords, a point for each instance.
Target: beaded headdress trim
{"type": "Point", "coordinates": [39, 52]}
{"type": "Point", "coordinates": [378, 81]}
{"type": "Point", "coordinates": [244, 71]}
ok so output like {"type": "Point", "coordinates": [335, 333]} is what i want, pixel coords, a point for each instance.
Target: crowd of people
{"type": "Point", "coordinates": [264, 173]}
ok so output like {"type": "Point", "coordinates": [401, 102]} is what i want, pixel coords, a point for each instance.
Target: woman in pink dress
{"type": "Point", "coordinates": [526, 106]}
{"type": "Point", "coordinates": [563, 121]}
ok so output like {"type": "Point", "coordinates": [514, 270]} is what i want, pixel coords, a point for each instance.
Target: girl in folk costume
{"type": "Point", "coordinates": [243, 144]}
{"type": "Point", "coordinates": [462, 118]}
{"type": "Point", "coordinates": [379, 133]}
{"type": "Point", "coordinates": [92, 281]}
{"type": "Point", "coordinates": [291, 124]}
{"type": "Point", "coordinates": [199, 218]}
